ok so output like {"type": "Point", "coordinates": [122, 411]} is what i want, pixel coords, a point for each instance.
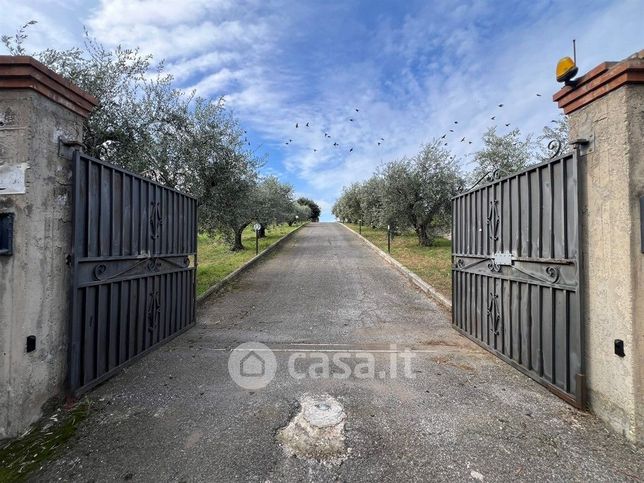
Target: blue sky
{"type": "Point", "coordinates": [412, 68]}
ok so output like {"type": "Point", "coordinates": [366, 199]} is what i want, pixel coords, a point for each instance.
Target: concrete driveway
{"type": "Point", "coordinates": [458, 414]}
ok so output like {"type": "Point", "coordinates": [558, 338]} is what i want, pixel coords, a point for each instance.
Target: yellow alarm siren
{"type": "Point", "coordinates": [567, 67]}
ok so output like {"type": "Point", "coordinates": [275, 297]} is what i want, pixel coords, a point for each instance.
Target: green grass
{"type": "Point", "coordinates": [432, 264]}
{"type": "Point", "coordinates": [215, 260]}
{"type": "Point", "coordinates": [21, 456]}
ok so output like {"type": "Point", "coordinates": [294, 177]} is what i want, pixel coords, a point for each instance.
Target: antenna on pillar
{"type": "Point", "coordinates": [574, 51]}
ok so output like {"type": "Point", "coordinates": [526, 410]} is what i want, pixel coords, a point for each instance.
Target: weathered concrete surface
{"type": "Point", "coordinates": [34, 281]}
{"type": "Point", "coordinates": [176, 415]}
{"type": "Point", "coordinates": [612, 180]}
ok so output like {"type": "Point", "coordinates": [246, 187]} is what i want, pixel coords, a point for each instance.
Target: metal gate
{"type": "Point", "coordinates": [515, 273]}
{"type": "Point", "coordinates": [134, 262]}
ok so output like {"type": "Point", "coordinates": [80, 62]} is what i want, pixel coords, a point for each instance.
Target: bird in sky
{"type": "Point", "coordinates": [290, 140]}
{"type": "Point", "coordinates": [350, 150]}
{"type": "Point", "coordinates": [451, 130]}
{"type": "Point", "coordinates": [445, 144]}
{"type": "Point", "coordinates": [315, 150]}
{"type": "Point", "coordinates": [470, 142]}
{"type": "Point", "coordinates": [357, 110]}
{"type": "Point", "coordinates": [297, 125]}
{"type": "Point", "coordinates": [443, 136]}
{"type": "Point", "coordinates": [382, 139]}
{"type": "Point", "coordinates": [507, 124]}
{"type": "Point", "coordinates": [335, 144]}
{"type": "Point", "coordinates": [500, 105]}
{"type": "Point", "coordinates": [538, 95]}
{"type": "Point", "coordinates": [378, 143]}
{"type": "Point", "coordinates": [455, 122]}
{"type": "Point", "coordinates": [350, 119]}
{"type": "Point", "coordinates": [493, 118]}
{"type": "Point", "coordinates": [462, 139]}
{"type": "Point", "coordinates": [286, 144]}
{"type": "Point", "coordinates": [307, 124]}
{"type": "Point", "coordinates": [553, 121]}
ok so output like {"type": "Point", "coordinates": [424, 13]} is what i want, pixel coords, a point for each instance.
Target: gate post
{"type": "Point", "coordinates": [38, 108]}
{"type": "Point", "coordinates": [605, 109]}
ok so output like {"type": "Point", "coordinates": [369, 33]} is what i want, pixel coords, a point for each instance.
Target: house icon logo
{"type": "Point", "coordinates": [252, 365]}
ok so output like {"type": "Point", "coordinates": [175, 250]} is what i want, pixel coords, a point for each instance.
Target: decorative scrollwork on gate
{"type": "Point", "coordinates": [154, 310]}
{"type": "Point", "coordinates": [493, 220]}
{"type": "Point", "coordinates": [554, 146]}
{"type": "Point", "coordinates": [493, 266]}
{"type": "Point", "coordinates": [153, 265]}
{"type": "Point", "coordinates": [156, 220]}
{"type": "Point", "coordinates": [493, 313]}
{"type": "Point", "coordinates": [99, 270]}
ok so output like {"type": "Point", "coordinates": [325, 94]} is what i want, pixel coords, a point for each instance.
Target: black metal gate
{"type": "Point", "coordinates": [515, 273]}
{"type": "Point", "coordinates": [134, 265]}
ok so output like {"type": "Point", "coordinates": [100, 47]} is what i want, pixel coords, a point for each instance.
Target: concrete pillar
{"type": "Point", "coordinates": [37, 108]}
{"type": "Point", "coordinates": [606, 108]}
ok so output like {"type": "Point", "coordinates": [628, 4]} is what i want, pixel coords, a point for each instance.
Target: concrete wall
{"type": "Point", "coordinates": [612, 180]}
{"type": "Point", "coordinates": [34, 282]}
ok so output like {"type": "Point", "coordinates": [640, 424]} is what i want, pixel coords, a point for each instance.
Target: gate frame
{"type": "Point", "coordinates": [73, 349]}
{"type": "Point", "coordinates": [580, 399]}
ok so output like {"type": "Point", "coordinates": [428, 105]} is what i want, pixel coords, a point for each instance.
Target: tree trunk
{"type": "Point", "coordinates": [424, 239]}
{"type": "Point", "coordinates": [237, 243]}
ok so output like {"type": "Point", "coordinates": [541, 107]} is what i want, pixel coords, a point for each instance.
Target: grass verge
{"type": "Point", "coordinates": [432, 264]}
{"type": "Point", "coordinates": [216, 260]}
{"type": "Point", "coordinates": [21, 456]}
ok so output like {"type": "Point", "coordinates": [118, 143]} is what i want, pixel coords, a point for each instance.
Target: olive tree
{"type": "Point", "coordinates": [506, 153]}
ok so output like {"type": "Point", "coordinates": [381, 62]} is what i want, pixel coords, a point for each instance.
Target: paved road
{"type": "Point", "coordinates": [177, 415]}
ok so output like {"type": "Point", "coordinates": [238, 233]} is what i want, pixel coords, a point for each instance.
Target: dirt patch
{"type": "Point", "coordinates": [448, 361]}
{"type": "Point", "coordinates": [317, 430]}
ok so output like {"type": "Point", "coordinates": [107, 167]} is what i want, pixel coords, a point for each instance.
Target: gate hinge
{"type": "Point", "coordinates": [583, 145]}
{"type": "Point", "coordinates": [66, 147]}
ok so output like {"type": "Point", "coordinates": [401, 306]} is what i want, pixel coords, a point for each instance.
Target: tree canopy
{"type": "Point", "coordinates": [191, 143]}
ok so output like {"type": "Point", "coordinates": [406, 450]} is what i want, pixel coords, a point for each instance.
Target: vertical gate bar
{"type": "Point", "coordinates": [516, 349]}
{"type": "Point", "coordinates": [529, 328]}
{"type": "Point", "coordinates": [453, 243]}
{"type": "Point", "coordinates": [540, 307]}
{"type": "Point", "coordinates": [88, 226]}
{"type": "Point", "coordinates": [510, 224]}
{"type": "Point", "coordinates": [510, 313]}
{"type": "Point", "coordinates": [552, 210]}
{"type": "Point", "coordinates": [553, 330]}
{"type": "Point", "coordinates": [529, 176]}
{"type": "Point", "coordinates": [110, 251]}
{"type": "Point", "coordinates": [124, 306]}
{"type": "Point", "coordinates": [564, 202]}
{"type": "Point", "coordinates": [540, 212]}
{"type": "Point", "coordinates": [519, 219]}
{"type": "Point", "coordinates": [567, 340]}
{"type": "Point", "coordinates": [73, 355]}
{"type": "Point", "coordinates": [100, 209]}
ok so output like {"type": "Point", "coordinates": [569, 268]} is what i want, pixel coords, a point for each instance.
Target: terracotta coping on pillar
{"type": "Point", "coordinates": [23, 72]}
{"type": "Point", "coordinates": [601, 80]}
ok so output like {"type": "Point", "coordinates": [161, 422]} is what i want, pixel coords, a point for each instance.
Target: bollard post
{"type": "Point", "coordinates": [389, 239]}
{"type": "Point", "coordinates": [360, 226]}
{"type": "Point", "coordinates": [257, 227]}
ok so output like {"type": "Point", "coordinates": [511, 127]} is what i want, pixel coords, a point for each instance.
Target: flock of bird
{"type": "Point", "coordinates": [327, 136]}
{"type": "Point", "coordinates": [380, 141]}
